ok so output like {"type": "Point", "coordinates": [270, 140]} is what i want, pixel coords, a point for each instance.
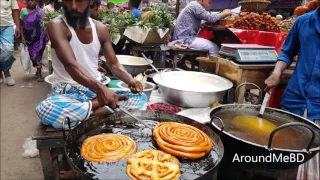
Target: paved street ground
{"type": "Point", "coordinates": [18, 121]}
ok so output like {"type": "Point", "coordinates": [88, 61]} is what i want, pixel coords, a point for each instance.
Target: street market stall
{"type": "Point", "coordinates": [188, 126]}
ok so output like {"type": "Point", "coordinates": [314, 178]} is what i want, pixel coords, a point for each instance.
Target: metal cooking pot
{"type": "Point", "coordinates": [204, 168]}
{"type": "Point", "coordinates": [133, 64]}
{"type": "Point", "coordinates": [236, 145]}
{"type": "Point", "coordinates": [194, 94]}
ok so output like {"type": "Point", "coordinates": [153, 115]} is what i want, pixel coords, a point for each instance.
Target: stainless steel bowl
{"type": "Point", "coordinates": [134, 65]}
{"type": "Point", "coordinates": [147, 90]}
{"type": "Point", "coordinates": [192, 89]}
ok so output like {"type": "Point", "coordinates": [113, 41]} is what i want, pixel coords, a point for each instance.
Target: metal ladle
{"type": "Point", "coordinates": [144, 56]}
{"type": "Point", "coordinates": [264, 104]}
{"type": "Point", "coordinates": [136, 118]}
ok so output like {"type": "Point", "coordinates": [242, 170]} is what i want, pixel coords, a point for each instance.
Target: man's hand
{"type": "Point", "coordinates": [17, 32]}
{"type": "Point", "coordinates": [272, 81]}
{"type": "Point", "coordinates": [135, 86]}
{"type": "Point", "coordinates": [23, 41]}
{"type": "Point", "coordinates": [225, 13]}
{"type": "Point", "coordinates": [108, 97]}
{"type": "Point", "coordinates": [102, 70]}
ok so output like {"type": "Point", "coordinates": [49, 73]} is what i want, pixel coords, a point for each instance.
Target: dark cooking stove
{"type": "Point", "coordinates": [236, 171]}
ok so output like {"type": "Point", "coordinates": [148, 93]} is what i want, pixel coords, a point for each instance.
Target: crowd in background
{"type": "Point", "coordinates": [31, 33]}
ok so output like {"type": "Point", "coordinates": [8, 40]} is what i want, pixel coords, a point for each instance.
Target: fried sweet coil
{"type": "Point", "coordinates": [108, 148]}
{"type": "Point", "coordinates": [182, 140]}
{"type": "Point", "coordinates": [153, 164]}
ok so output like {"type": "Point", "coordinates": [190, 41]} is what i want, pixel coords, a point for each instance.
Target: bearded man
{"type": "Point", "coordinates": [77, 93]}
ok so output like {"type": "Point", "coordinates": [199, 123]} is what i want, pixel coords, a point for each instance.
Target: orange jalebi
{"type": "Point", "coordinates": [108, 148]}
{"type": "Point", "coordinates": [153, 164]}
{"type": "Point", "coordinates": [182, 140]}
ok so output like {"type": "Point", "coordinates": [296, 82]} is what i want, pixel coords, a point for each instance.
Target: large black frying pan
{"type": "Point", "coordinates": [236, 145]}
{"type": "Point", "coordinates": [121, 123]}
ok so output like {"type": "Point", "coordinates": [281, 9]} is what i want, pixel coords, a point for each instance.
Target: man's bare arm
{"type": "Point", "coordinates": [59, 41]}
{"type": "Point", "coordinates": [16, 19]}
{"type": "Point", "coordinates": [280, 67]}
{"type": "Point", "coordinates": [117, 69]}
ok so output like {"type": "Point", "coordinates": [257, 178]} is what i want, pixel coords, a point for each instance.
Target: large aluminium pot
{"type": "Point", "coordinates": [118, 122]}
{"type": "Point", "coordinates": [236, 147]}
{"type": "Point", "coordinates": [134, 65]}
{"type": "Point", "coordinates": [192, 89]}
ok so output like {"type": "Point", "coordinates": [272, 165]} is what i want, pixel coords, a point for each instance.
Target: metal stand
{"type": "Point", "coordinates": [174, 53]}
{"type": "Point", "coordinates": [136, 49]}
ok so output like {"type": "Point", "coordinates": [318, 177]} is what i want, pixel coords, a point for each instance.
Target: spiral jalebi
{"type": "Point", "coordinates": [108, 148]}
{"type": "Point", "coordinates": [182, 140]}
{"type": "Point", "coordinates": [153, 164]}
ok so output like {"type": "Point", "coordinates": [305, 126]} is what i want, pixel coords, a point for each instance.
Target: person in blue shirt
{"type": "Point", "coordinates": [133, 6]}
{"type": "Point", "coordinates": [303, 90]}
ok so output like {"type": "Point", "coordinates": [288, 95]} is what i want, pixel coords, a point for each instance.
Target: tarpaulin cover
{"type": "Point", "coordinates": [253, 37]}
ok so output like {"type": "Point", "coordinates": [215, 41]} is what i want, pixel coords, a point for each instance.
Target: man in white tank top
{"type": "Point", "coordinates": [78, 93]}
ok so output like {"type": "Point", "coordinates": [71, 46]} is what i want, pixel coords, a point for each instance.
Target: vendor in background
{"type": "Point", "coordinates": [78, 93]}
{"type": "Point", "coordinates": [50, 7]}
{"type": "Point", "coordinates": [188, 24]}
{"type": "Point", "coordinates": [95, 9]}
{"type": "Point", "coordinates": [33, 34]}
{"type": "Point", "coordinates": [133, 6]}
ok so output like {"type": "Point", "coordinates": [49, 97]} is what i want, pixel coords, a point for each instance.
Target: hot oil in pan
{"type": "Point", "coordinates": [190, 169]}
{"type": "Point", "coordinates": [288, 138]}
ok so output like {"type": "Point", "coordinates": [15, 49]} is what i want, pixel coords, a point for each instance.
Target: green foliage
{"type": "Point", "coordinates": [159, 18]}
{"type": "Point", "coordinates": [51, 15]}
{"type": "Point", "coordinates": [116, 22]}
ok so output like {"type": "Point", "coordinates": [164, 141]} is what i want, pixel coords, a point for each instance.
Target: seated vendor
{"type": "Point", "coordinates": [188, 24]}
{"type": "Point", "coordinates": [78, 93]}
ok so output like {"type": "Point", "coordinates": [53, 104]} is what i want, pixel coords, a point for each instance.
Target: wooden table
{"type": "Point", "coordinates": [50, 145]}
{"type": "Point", "coordinates": [240, 73]}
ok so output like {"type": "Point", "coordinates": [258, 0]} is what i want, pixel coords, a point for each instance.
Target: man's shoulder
{"type": "Point", "coordinates": [57, 21]}
{"type": "Point", "coordinates": [193, 6]}
{"type": "Point", "coordinates": [303, 20]}
{"type": "Point", "coordinates": [306, 16]}
{"type": "Point", "coordinates": [101, 29]}
{"type": "Point", "coordinates": [57, 25]}
{"type": "Point", "coordinates": [99, 25]}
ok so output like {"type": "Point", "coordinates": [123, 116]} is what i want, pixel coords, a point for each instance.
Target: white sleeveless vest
{"type": "Point", "coordinates": [86, 55]}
